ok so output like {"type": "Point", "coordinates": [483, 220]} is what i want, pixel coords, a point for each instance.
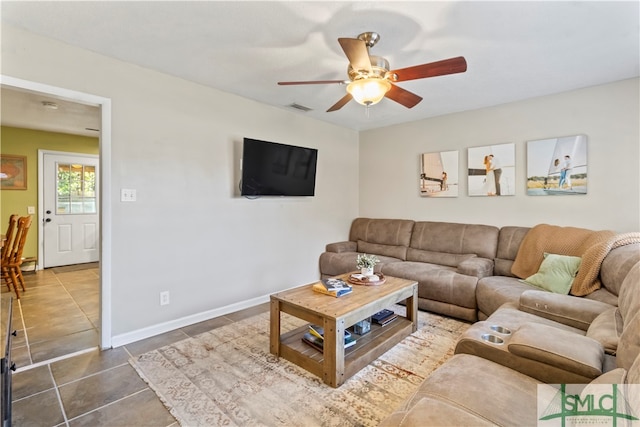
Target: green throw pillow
{"type": "Point", "coordinates": [556, 273]}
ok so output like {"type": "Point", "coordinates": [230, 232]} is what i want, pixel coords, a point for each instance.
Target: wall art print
{"type": "Point", "coordinates": [13, 172]}
{"type": "Point", "coordinates": [492, 170]}
{"type": "Point", "coordinates": [557, 166]}
{"type": "Point", "coordinates": [439, 174]}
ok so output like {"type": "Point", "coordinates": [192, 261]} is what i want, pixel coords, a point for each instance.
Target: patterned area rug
{"type": "Point", "coordinates": [227, 377]}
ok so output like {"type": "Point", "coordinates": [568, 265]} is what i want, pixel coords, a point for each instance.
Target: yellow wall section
{"type": "Point", "coordinates": [27, 142]}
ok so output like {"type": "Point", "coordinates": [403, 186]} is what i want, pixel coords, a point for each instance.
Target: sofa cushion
{"type": "Point", "coordinates": [342, 247]}
{"type": "Point", "coordinates": [633, 374]}
{"type": "Point", "coordinates": [478, 267]}
{"type": "Point", "coordinates": [615, 376]}
{"type": "Point", "coordinates": [509, 240]}
{"type": "Point", "coordinates": [606, 329]}
{"type": "Point", "coordinates": [629, 343]}
{"type": "Point", "coordinates": [487, 389]}
{"type": "Point", "coordinates": [512, 318]}
{"type": "Point", "coordinates": [441, 258]}
{"type": "Point", "coordinates": [567, 309]}
{"type": "Point", "coordinates": [555, 347]}
{"type": "Point", "coordinates": [399, 252]}
{"type": "Point", "coordinates": [333, 264]}
{"type": "Point", "coordinates": [603, 295]}
{"type": "Point", "coordinates": [616, 266]}
{"type": "Point", "coordinates": [433, 411]}
{"type": "Point", "coordinates": [394, 232]}
{"type": "Point", "coordinates": [629, 297]}
{"type": "Point", "coordinates": [436, 282]}
{"type": "Point", "coordinates": [556, 273]}
{"type": "Point", "coordinates": [494, 291]}
{"type": "Point", "coordinates": [454, 238]}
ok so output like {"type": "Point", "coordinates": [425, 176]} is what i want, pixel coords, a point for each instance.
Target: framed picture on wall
{"type": "Point", "coordinates": [557, 166]}
{"type": "Point", "coordinates": [492, 170]}
{"type": "Point", "coordinates": [13, 172]}
{"type": "Point", "coordinates": [439, 174]}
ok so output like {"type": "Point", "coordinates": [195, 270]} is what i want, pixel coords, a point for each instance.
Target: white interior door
{"type": "Point", "coordinates": [70, 212]}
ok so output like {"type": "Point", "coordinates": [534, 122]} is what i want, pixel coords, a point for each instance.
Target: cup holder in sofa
{"type": "Point", "coordinates": [493, 339]}
{"type": "Point", "coordinates": [500, 329]}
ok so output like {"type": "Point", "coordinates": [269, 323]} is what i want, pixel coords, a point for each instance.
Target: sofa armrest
{"type": "Point", "coordinates": [566, 309]}
{"type": "Point", "coordinates": [478, 267]}
{"type": "Point", "coordinates": [338, 247]}
{"type": "Point", "coordinates": [556, 347]}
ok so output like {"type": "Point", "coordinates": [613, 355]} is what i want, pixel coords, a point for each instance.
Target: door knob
{"type": "Point", "coordinates": [48, 212]}
{"type": "Point", "coordinates": [47, 220]}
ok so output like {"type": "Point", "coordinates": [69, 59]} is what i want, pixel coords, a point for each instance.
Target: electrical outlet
{"type": "Point", "coordinates": [164, 298]}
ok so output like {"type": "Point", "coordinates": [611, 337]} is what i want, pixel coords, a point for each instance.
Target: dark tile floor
{"type": "Point", "coordinates": [91, 388]}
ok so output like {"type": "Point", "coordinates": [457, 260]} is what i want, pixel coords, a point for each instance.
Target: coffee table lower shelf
{"type": "Point", "coordinates": [367, 348]}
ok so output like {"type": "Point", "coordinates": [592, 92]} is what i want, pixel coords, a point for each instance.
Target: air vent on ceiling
{"type": "Point", "coordinates": [299, 107]}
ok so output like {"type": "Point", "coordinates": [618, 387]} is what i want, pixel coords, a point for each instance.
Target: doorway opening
{"type": "Point", "coordinates": [101, 268]}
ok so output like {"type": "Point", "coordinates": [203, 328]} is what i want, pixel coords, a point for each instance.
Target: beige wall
{"type": "Point", "coordinates": [178, 144]}
{"type": "Point", "coordinates": [609, 115]}
{"type": "Point", "coordinates": [27, 142]}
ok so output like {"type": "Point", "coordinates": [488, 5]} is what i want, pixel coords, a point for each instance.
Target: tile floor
{"type": "Point", "coordinates": [57, 315]}
{"type": "Point", "coordinates": [95, 388]}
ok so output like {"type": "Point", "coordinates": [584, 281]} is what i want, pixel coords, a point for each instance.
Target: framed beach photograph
{"type": "Point", "coordinates": [557, 166]}
{"type": "Point", "coordinates": [492, 170]}
{"type": "Point", "coordinates": [13, 172]}
{"type": "Point", "coordinates": [439, 174]}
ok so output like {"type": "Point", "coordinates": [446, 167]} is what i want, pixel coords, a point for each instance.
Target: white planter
{"type": "Point", "coordinates": [367, 271]}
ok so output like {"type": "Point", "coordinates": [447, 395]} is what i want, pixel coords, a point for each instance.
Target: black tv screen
{"type": "Point", "coordinates": [272, 169]}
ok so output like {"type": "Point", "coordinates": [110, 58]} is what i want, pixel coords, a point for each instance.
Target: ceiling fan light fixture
{"type": "Point", "coordinates": [368, 91]}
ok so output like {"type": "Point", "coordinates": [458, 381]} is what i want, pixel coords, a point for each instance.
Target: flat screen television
{"type": "Point", "coordinates": [272, 169]}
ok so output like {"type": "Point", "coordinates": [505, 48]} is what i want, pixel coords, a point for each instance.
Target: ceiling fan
{"type": "Point", "coordinates": [370, 78]}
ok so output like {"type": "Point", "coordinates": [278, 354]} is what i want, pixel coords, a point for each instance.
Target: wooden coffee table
{"type": "Point", "coordinates": [335, 365]}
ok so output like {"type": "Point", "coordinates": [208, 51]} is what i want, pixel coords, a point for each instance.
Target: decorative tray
{"type": "Point", "coordinates": [361, 279]}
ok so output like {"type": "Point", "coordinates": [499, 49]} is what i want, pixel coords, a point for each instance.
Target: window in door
{"type": "Point", "coordinates": [76, 186]}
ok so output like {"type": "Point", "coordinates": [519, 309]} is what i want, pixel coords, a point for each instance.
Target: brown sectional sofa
{"type": "Point", "coordinates": [464, 271]}
{"type": "Point", "coordinates": [482, 389]}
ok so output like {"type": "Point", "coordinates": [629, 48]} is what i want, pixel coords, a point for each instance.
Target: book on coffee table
{"type": "Point", "coordinates": [318, 343]}
{"type": "Point", "coordinates": [333, 284]}
{"type": "Point", "coordinates": [384, 317]}
{"type": "Point", "coordinates": [315, 338]}
{"type": "Point", "coordinates": [387, 320]}
{"type": "Point", "coordinates": [321, 288]}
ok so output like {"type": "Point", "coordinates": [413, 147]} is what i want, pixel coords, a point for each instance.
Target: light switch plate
{"type": "Point", "coordinates": [127, 195]}
{"type": "Point", "coordinates": [31, 210]}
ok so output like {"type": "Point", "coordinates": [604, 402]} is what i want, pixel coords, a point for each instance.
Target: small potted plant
{"type": "Point", "coordinates": [366, 263]}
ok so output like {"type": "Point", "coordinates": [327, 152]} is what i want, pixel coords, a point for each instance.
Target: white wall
{"type": "Point", "coordinates": [609, 115]}
{"type": "Point", "coordinates": [178, 144]}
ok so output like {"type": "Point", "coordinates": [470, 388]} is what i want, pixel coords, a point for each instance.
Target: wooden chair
{"type": "Point", "coordinates": [12, 259]}
{"type": "Point", "coordinates": [7, 244]}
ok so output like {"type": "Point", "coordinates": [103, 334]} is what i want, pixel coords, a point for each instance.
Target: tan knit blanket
{"type": "Point", "coordinates": [591, 246]}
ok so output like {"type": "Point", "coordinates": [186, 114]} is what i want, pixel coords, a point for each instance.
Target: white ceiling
{"type": "Point", "coordinates": [514, 50]}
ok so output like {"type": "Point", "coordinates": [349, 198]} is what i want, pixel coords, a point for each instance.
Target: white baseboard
{"type": "Point", "coordinates": [140, 334]}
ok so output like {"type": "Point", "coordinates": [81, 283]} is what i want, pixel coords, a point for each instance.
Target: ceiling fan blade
{"type": "Point", "coordinates": [338, 105]}
{"type": "Point", "coordinates": [357, 52]}
{"type": "Point", "coordinates": [313, 82]}
{"type": "Point", "coordinates": [403, 96]}
{"type": "Point", "coordinates": [432, 69]}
